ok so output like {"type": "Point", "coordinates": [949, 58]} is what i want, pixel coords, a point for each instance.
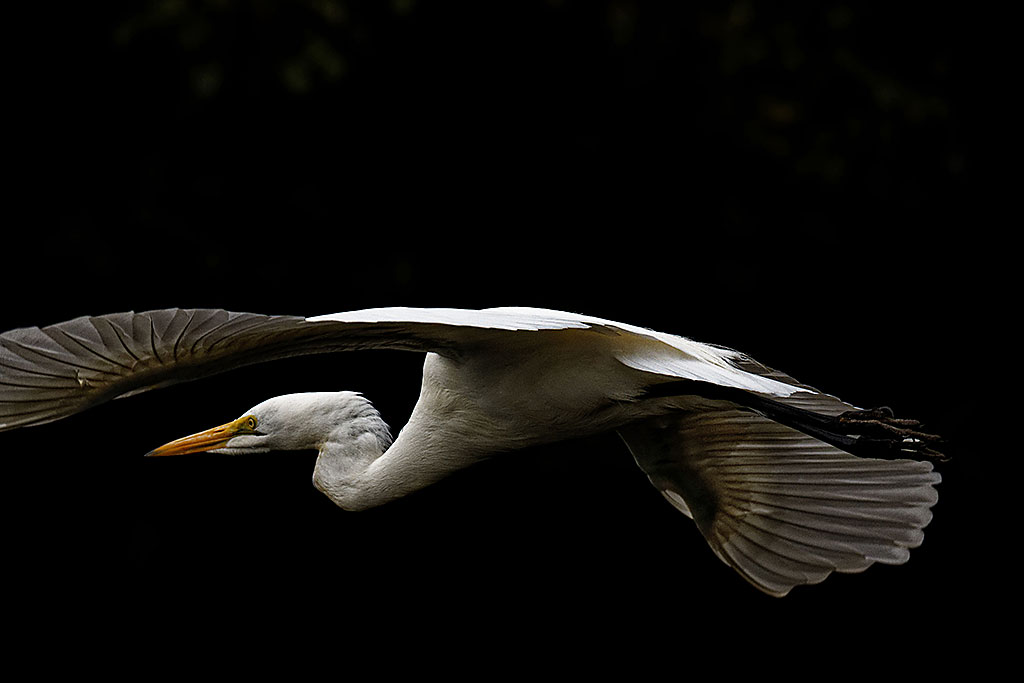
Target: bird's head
{"type": "Point", "coordinates": [292, 422]}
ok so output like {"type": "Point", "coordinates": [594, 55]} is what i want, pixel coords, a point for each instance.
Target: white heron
{"type": "Point", "coordinates": [772, 471]}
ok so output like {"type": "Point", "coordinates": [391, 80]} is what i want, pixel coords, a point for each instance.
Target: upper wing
{"type": "Point", "coordinates": [669, 355]}
{"type": "Point", "coordinates": [52, 372]}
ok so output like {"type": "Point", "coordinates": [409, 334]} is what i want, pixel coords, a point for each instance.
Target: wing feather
{"type": "Point", "coordinates": [51, 372]}
{"type": "Point", "coordinates": [781, 507]}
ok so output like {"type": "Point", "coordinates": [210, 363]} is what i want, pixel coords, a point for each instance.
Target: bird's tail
{"type": "Point", "coordinates": [778, 498]}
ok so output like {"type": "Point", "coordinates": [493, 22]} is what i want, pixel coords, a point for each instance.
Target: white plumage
{"type": "Point", "coordinates": [759, 461]}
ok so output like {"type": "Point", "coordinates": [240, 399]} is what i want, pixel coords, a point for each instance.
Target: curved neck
{"type": "Point", "coordinates": [358, 473]}
{"type": "Point", "coordinates": [443, 435]}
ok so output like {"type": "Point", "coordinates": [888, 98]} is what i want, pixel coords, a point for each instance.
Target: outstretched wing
{"type": "Point", "coordinates": [52, 372]}
{"type": "Point", "coordinates": [780, 507]}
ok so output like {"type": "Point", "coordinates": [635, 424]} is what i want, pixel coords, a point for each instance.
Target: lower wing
{"type": "Point", "coordinates": [779, 506]}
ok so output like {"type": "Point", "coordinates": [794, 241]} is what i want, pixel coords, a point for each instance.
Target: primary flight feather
{"type": "Point", "coordinates": [772, 471]}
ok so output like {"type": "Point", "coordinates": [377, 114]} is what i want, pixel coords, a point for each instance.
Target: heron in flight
{"type": "Point", "coordinates": [786, 483]}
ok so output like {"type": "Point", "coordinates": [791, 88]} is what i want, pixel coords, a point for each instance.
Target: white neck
{"type": "Point", "coordinates": [357, 475]}
{"type": "Point", "coordinates": [357, 470]}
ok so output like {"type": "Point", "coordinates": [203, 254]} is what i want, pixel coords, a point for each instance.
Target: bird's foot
{"type": "Point", "coordinates": [879, 427]}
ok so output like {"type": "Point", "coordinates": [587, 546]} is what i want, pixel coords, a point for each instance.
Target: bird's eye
{"type": "Point", "coordinates": [251, 422]}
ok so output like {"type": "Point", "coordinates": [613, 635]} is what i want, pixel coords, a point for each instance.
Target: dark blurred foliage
{"type": "Point", "coordinates": [801, 181]}
{"type": "Point", "coordinates": [379, 152]}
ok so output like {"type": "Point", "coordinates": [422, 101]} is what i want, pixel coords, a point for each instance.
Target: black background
{"type": "Point", "coordinates": [802, 183]}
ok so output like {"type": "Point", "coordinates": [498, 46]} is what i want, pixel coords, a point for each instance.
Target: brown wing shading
{"type": "Point", "coordinates": [51, 372]}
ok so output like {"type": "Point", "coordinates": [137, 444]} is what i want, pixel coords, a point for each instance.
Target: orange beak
{"type": "Point", "coordinates": [209, 440]}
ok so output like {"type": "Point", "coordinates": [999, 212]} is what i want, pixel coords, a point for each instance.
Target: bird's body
{"type": "Point", "coordinates": [760, 462]}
